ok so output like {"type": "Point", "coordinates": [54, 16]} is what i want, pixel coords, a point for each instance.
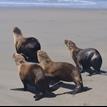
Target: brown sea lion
{"type": "Point", "coordinates": [60, 70]}
{"type": "Point", "coordinates": [26, 46]}
{"type": "Point", "coordinates": [85, 59]}
{"type": "Point", "coordinates": [32, 74]}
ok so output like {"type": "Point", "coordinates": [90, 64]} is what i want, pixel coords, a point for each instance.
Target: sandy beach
{"type": "Point", "coordinates": [88, 28]}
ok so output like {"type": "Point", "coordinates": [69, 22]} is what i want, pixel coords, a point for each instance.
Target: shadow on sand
{"type": "Point", "coordinates": [103, 72]}
{"type": "Point", "coordinates": [71, 86]}
{"type": "Point", "coordinates": [57, 86]}
{"type": "Point", "coordinates": [93, 72]}
{"type": "Point", "coordinates": [33, 91]}
{"type": "Point", "coordinates": [18, 89]}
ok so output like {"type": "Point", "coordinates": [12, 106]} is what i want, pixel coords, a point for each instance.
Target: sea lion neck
{"type": "Point", "coordinates": [74, 49]}
{"type": "Point", "coordinates": [46, 63]}
{"type": "Point", "coordinates": [17, 38]}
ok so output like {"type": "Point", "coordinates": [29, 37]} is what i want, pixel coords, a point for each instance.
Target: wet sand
{"type": "Point", "coordinates": [88, 28]}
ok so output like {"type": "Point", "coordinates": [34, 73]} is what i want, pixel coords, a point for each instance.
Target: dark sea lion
{"type": "Point", "coordinates": [85, 59]}
{"type": "Point", "coordinates": [26, 46]}
{"type": "Point", "coordinates": [31, 74]}
{"type": "Point", "coordinates": [60, 70]}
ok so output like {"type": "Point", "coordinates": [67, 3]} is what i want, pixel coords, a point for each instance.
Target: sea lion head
{"type": "Point", "coordinates": [70, 45]}
{"type": "Point", "coordinates": [19, 59]}
{"type": "Point", "coordinates": [43, 56]}
{"type": "Point", "coordinates": [17, 31]}
{"type": "Point", "coordinates": [17, 34]}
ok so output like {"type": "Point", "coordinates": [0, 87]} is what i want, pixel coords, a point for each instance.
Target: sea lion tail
{"type": "Point", "coordinates": [17, 31]}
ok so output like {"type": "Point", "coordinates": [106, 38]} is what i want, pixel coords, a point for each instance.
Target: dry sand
{"type": "Point", "coordinates": [88, 28]}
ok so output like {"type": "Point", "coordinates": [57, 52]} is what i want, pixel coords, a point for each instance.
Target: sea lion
{"type": "Point", "coordinates": [60, 70]}
{"type": "Point", "coordinates": [85, 59]}
{"type": "Point", "coordinates": [32, 74]}
{"type": "Point", "coordinates": [28, 47]}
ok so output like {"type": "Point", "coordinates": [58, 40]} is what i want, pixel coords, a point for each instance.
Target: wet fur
{"type": "Point", "coordinates": [26, 46]}
{"type": "Point", "coordinates": [85, 58]}
{"type": "Point", "coordinates": [60, 70]}
{"type": "Point", "coordinates": [32, 74]}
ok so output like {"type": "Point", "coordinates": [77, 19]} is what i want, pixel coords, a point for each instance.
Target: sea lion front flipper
{"type": "Point", "coordinates": [38, 96]}
{"type": "Point", "coordinates": [78, 89]}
